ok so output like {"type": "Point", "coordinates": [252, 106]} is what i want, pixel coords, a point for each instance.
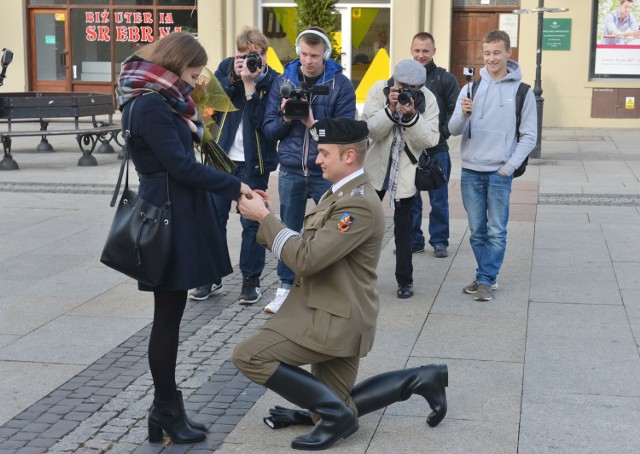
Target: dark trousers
{"type": "Point", "coordinates": [252, 255]}
{"type": "Point", "coordinates": [402, 229]}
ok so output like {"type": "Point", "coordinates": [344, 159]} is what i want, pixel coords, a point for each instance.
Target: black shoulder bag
{"type": "Point", "coordinates": [429, 176]}
{"type": "Point", "coordinates": [139, 242]}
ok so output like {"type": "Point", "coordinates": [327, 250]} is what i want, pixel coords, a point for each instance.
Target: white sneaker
{"type": "Point", "coordinates": [274, 305]}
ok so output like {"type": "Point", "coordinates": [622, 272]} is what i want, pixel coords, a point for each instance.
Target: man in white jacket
{"type": "Point", "coordinates": [402, 117]}
{"type": "Point", "coordinates": [491, 151]}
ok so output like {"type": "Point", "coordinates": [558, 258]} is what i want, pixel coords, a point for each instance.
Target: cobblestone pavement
{"type": "Point", "coordinates": [104, 408]}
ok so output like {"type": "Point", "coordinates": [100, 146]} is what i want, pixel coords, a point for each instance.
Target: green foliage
{"type": "Point", "coordinates": [321, 13]}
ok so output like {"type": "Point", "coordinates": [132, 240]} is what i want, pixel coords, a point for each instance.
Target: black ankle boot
{"type": "Point", "coordinates": [385, 389]}
{"type": "Point", "coordinates": [168, 416]}
{"type": "Point", "coordinates": [303, 389]}
{"type": "Point", "coordinates": [192, 424]}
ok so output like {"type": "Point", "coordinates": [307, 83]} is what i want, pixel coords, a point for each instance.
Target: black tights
{"type": "Point", "coordinates": [163, 342]}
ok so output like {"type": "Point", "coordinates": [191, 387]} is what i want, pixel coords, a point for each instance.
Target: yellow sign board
{"type": "Point", "coordinates": [59, 17]}
{"type": "Point", "coordinates": [630, 103]}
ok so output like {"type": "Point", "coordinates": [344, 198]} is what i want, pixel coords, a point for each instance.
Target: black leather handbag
{"type": "Point", "coordinates": [139, 242]}
{"type": "Point", "coordinates": [429, 176]}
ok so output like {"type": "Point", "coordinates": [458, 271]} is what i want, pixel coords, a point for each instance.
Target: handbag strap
{"type": "Point", "coordinates": [126, 135]}
{"type": "Point", "coordinates": [124, 165]}
{"type": "Point", "coordinates": [411, 157]}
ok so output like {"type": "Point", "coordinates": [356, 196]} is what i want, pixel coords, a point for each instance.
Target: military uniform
{"type": "Point", "coordinates": [329, 318]}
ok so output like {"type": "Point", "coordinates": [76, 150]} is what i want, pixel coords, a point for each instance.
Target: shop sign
{"type": "Point", "coordinates": [132, 27]}
{"type": "Point", "coordinates": [556, 34]}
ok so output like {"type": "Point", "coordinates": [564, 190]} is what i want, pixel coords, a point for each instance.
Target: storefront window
{"type": "Point", "coordinates": [279, 26]}
{"type": "Point", "coordinates": [91, 48]}
{"type": "Point", "coordinates": [177, 3]}
{"type": "Point", "coordinates": [177, 20]}
{"type": "Point", "coordinates": [48, 2]}
{"type": "Point", "coordinates": [134, 2]}
{"type": "Point", "coordinates": [90, 2]}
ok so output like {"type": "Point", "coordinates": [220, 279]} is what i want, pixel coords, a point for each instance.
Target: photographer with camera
{"type": "Point", "coordinates": [445, 88]}
{"type": "Point", "coordinates": [402, 116]}
{"type": "Point", "coordinates": [491, 151]}
{"type": "Point", "coordinates": [246, 78]}
{"type": "Point", "coordinates": [311, 88]}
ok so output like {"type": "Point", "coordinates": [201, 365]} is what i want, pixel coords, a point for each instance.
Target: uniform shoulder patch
{"type": "Point", "coordinates": [358, 191]}
{"type": "Point", "coordinates": [345, 222]}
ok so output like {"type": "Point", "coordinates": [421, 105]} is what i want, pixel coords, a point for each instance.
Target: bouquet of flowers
{"type": "Point", "coordinates": [210, 98]}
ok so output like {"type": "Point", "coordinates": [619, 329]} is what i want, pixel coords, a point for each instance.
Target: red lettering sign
{"type": "Point", "coordinates": [103, 33]}
{"type": "Point", "coordinates": [91, 33]}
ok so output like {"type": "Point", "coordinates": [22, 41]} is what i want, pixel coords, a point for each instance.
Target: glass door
{"type": "Point", "coordinates": [49, 68]}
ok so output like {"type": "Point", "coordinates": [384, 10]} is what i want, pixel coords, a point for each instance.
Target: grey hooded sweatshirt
{"type": "Point", "coordinates": [493, 144]}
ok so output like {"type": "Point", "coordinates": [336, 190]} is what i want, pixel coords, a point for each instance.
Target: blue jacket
{"type": "Point", "coordinates": [260, 153]}
{"type": "Point", "coordinates": [297, 151]}
{"type": "Point", "coordinates": [162, 142]}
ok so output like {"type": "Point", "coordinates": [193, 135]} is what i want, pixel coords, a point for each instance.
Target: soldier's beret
{"type": "Point", "coordinates": [339, 130]}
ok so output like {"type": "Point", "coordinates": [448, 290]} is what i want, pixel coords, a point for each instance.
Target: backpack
{"type": "Point", "coordinates": [521, 95]}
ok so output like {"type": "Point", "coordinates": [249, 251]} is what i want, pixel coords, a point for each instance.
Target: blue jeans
{"type": "Point", "coordinates": [439, 215]}
{"type": "Point", "coordinates": [485, 196]}
{"type": "Point", "coordinates": [252, 255]}
{"type": "Point", "coordinates": [294, 190]}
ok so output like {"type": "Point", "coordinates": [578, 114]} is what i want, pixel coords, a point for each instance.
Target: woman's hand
{"type": "Point", "coordinates": [254, 206]}
{"type": "Point", "coordinates": [244, 189]}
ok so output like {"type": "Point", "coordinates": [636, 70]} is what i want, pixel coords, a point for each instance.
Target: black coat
{"type": "Point", "coordinates": [161, 141]}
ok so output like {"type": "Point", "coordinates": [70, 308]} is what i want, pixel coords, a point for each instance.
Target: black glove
{"type": "Point", "coordinates": [281, 417]}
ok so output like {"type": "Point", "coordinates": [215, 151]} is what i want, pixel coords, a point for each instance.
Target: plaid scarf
{"type": "Point", "coordinates": [394, 161]}
{"type": "Point", "coordinates": [139, 76]}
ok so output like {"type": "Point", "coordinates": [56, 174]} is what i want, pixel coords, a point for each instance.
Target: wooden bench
{"type": "Point", "coordinates": [66, 108]}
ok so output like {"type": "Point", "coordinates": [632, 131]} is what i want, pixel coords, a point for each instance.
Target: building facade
{"type": "Point", "coordinates": [590, 78]}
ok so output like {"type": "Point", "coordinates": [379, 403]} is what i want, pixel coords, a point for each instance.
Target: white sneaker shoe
{"type": "Point", "coordinates": [274, 305]}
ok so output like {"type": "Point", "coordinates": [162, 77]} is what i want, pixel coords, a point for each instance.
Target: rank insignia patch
{"type": "Point", "coordinates": [345, 222]}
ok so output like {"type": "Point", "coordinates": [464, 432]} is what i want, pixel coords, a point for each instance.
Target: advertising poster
{"type": "Point", "coordinates": [616, 39]}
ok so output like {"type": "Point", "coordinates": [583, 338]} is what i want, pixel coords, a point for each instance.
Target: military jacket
{"type": "Point", "coordinates": [333, 305]}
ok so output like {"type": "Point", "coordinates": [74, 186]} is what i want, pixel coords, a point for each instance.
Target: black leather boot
{"type": "Point", "coordinates": [385, 389]}
{"type": "Point", "coordinates": [168, 416]}
{"type": "Point", "coordinates": [303, 389]}
{"type": "Point", "coordinates": [192, 424]}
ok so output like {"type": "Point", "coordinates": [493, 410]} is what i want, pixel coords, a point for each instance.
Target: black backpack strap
{"type": "Point", "coordinates": [521, 95]}
{"type": "Point", "coordinates": [474, 87]}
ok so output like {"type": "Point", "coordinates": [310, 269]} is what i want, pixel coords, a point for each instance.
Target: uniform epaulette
{"type": "Point", "coordinates": [358, 191]}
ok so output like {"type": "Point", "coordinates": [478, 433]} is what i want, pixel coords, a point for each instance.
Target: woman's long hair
{"type": "Point", "coordinates": [175, 52]}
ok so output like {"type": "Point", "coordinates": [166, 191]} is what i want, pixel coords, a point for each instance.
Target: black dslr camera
{"type": "Point", "coordinates": [405, 95]}
{"type": "Point", "coordinates": [253, 61]}
{"type": "Point", "coordinates": [297, 108]}
{"type": "Point", "coordinates": [7, 57]}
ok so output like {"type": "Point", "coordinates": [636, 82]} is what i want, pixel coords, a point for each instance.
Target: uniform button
{"type": "Point", "coordinates": [298, 284]}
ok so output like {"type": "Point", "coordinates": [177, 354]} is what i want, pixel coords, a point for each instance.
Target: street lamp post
{"type": "Point", "coordinates": [537, 88]}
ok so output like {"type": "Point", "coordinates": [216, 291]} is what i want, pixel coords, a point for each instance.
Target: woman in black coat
{"type": "Point", "coordinates": [164, 125]}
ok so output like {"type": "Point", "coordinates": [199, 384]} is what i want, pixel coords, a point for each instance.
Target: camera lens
{"type": "Point", "coordinates": [404, 98]}
{"type": "Point", "coordinates": [253, 62]}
